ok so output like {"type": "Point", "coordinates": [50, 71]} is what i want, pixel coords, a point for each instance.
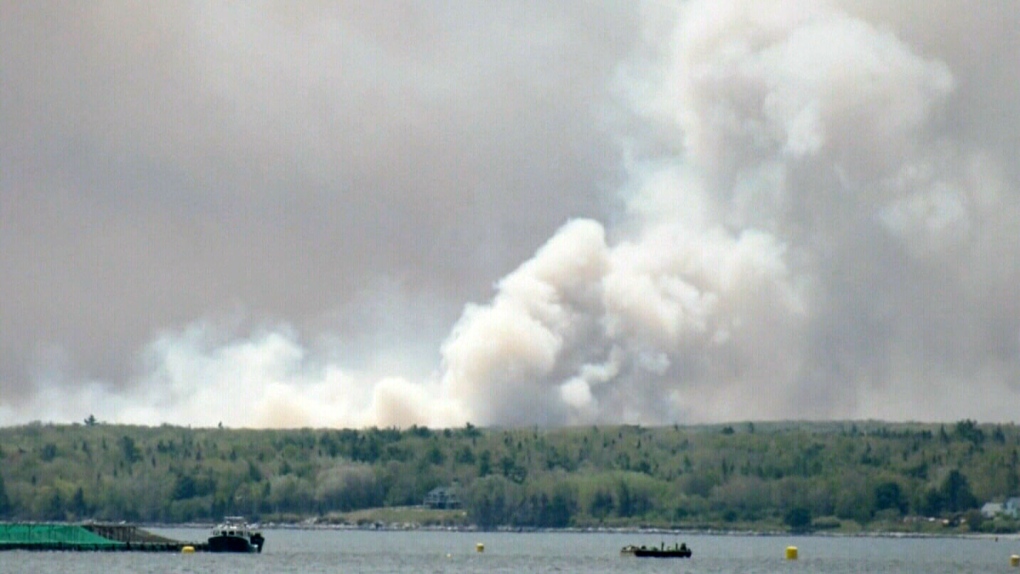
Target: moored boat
{"type": "Point", "coordinates": [235, 535]}
{"type": "Point", "coordinates": [676, 551]}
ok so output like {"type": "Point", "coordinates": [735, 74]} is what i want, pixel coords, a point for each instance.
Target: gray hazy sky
{"type": "Point", "coordinates": [348, 214]}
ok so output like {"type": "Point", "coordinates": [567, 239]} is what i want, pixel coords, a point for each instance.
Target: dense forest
{"type": "Point", "coordinates": [845, 476]}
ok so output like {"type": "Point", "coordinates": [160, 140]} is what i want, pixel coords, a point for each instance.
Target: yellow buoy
{"type": "Point", "coordinates": [1014, 561]}
{"type": "Point", "coordinates": [479, 547]}
{"type": "Point", "coordinates": [188, 550]}
{"type": "Point", "coordinates": [791, 552]}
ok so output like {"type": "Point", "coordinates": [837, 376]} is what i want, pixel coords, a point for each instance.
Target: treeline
{"type": "Point", "coordinates": [846, 475]}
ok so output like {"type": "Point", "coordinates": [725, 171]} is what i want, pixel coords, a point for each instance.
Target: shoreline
{"type": "Point", "coordinates": [406, 527]}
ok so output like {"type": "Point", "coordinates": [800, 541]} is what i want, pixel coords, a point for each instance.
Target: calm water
{"type": "Point", "coordinates": [296, 551]}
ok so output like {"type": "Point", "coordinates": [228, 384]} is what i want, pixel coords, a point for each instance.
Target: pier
{"type": "Point", "coordinates": [88, 537]}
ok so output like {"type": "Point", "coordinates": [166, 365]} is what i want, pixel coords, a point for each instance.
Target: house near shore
{"type": "Point", "coordinates": [443, 497]}
{"type": "Point", "coordinates": [1010, 508]}
{"type": "Point", "coordinates": [991, 509]}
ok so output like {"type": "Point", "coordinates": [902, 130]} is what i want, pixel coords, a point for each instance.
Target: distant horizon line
{"type": "Point", "coordinates": [733, 425]}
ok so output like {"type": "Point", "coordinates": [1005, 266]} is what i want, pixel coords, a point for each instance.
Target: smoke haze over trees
{"type": "Point", "coordinates": [511, 214]}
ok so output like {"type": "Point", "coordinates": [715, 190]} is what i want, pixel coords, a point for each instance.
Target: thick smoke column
{"type": "Point", "coordinates": [813, 252]}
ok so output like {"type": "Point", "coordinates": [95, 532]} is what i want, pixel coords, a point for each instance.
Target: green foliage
{"type": "Point", "coordinates": [798, 519]}
{"type": "Point", "coordinates": [78, 507]}
{"type": "Point", "coordinates": [751, 475]}
{"type": "Point", "coordinates": [48, 453]}
{"type": "Point", "coordinates": [485, 464]}
{"type": "Point", "coordinates": [184, 488]}
{"type": "Point", "coordinates": [956, 494]}
{"type": "Point", "coordinates": [5, 502]}
{"type": "Point", "coordinates": [969, 430]}
{"type": "Point", "coordinates": [131, 454]}
{"type": "Point", "coordinates": [889, 495]}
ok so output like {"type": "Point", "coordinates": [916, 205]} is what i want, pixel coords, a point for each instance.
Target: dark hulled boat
{"type": "Point", "coordinates": [235, 535]}
{"type": "Point", "coordinates": [677, 551]}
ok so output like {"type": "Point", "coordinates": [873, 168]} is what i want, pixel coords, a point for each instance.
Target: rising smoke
{"type": "Point", "coordinates": [830, 233]}
{"type": "Point", "coordinates": [816, 250]}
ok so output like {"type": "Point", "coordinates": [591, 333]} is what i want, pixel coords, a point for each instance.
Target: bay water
{"type": "Point", "coordinates": [292, 551]}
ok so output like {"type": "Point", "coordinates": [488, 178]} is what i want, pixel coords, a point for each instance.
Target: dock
{"type": "Point", "coordinates": [89, 537]}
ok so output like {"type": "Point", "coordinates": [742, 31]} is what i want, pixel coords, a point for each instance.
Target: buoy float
{"type": "Point", "coordinates": [1014, 561]}
{"type": "Point", "coordinates": [188, 550]}
{"type": "Point", "coordinates": [479, 547]}
{"type": "Point", "coordinates": [791, 552]}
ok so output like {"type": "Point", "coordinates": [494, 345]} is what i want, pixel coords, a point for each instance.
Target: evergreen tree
{"type": "Point", "coordinates": [798, 519]}
{"type": "Point", "coordinates": [5, 502]}
{"type": "Point", "coordinates": [956, 493]}
{"type": "Point", "coordinates": [78, 506]}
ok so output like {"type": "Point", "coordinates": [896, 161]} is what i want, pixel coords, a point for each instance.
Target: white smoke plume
{"type": "Point", "coordinates": [808, 254]}
{"type": "Point", "coordinates": [821, 225]}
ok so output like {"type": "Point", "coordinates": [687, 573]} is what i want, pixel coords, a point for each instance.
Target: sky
{"type": "Point", "coordinates": [509, 213]}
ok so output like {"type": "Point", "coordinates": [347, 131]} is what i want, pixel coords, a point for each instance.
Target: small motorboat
{"type": "Point", "coordinates": [676, 551]}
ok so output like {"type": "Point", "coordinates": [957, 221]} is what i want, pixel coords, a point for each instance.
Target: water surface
{"type": "Point", "coordinates": [290, 551]}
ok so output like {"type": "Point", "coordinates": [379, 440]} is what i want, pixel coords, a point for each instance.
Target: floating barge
{"type": "Point", "coordinates": [89, 537]}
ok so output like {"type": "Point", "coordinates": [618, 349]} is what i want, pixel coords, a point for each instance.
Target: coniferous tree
{"type": "Point", "coordinates": [5, 502]}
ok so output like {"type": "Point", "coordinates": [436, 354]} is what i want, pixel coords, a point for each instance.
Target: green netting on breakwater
{"type": "Point", "coordinates": [51, 534]}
